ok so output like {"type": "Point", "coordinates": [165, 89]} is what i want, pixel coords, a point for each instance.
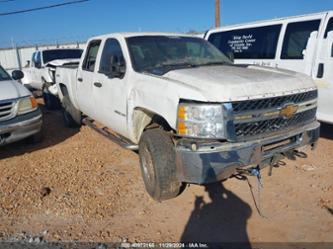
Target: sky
{"type": "Point", "coordinates": [80, 21]}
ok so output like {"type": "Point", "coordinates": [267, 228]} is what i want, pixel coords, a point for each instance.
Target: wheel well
{"type": "Point", "coordinates": [144, 119]}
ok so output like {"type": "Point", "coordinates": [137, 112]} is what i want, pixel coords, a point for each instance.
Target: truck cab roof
{"type": "Point", "coordinates": [134, 34]}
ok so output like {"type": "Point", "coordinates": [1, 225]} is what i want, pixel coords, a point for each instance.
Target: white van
{"type": "Point", "coordinates": [302, 43]}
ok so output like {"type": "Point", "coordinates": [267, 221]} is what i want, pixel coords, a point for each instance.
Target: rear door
{"type": "Point", "coordinates": [86, 77]}
{"type": "Point", "coordinates": [323, 72]}
{"type": "Point", "coordinates": [299, 45]}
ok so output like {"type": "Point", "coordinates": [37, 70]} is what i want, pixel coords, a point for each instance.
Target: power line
{"type": "Point", "coordinates": [42, 8]}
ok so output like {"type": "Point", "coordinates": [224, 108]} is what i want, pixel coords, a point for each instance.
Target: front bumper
{"type": "Point", "coordinates": [20, 127]}
{"type": "Point", "coordinates": [211, 162]}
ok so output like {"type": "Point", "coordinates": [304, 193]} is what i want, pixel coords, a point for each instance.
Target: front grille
{"type": "Point", "coordinates": [271, 103]}
{"type": "Point", "coordinates": [6, 110]}
{"type": "Point", "coordinates": [259, 125]}
{"type": "Point", "coordinates": [273, 125]}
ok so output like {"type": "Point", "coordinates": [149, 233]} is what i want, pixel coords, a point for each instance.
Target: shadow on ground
{"type": "Point", "coordinates": [326, 130]}
{"type": "Point", "coordinates": [54, 132]}
{"type": "Point", "coordinates": [224, 219]}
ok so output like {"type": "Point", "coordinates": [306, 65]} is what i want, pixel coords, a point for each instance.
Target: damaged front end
{"type": "Point", "coordinates": [257, 133]}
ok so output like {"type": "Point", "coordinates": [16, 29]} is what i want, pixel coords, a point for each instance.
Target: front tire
{"type": "Point", "coordinates": [158, 165]}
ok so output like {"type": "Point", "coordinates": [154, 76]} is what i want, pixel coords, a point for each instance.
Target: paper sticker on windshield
{"type": "Point", "coordinates": [238, 43]}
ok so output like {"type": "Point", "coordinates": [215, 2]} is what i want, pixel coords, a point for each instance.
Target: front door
{"type": "Point", "coordinates": [323, 74]}
{"type": "Point", "coordinates": [109, 89]}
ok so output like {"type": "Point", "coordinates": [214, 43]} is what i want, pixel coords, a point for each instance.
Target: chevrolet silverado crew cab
{"type": "Point", "coordinates": [20, 116]}
{"type": "Point", "coordinates": [40, 71]}
{"type": "Point", "coordinates": [193, 116]}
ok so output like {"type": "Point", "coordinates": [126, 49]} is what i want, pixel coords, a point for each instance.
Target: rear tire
{"type": "Point", "coordinates": [71, 116]}
{"type": "Point", "coordinates": [51, 102]}
{"type": "Point", "coordinates": [158, 165]}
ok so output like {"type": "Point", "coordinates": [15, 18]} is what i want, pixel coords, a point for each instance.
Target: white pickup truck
{"type": "Point", "coordinates": [20, 117]}
{"type": "Point", "coordinates": [40, 71]}
{"type": "Point", "coordinates": [193, 115]}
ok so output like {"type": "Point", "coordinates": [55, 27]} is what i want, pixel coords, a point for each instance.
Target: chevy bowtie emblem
{"type": "Point", "coordinates": [288, 110]}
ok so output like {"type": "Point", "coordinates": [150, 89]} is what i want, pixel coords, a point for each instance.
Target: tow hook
{"type": "Point", "coordinates": [256, 172]}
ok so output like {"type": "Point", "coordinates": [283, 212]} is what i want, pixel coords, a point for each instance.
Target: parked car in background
{"type": "Point", "coordinates": [302, 44]}
{"type": "Point", "coordinates": [193, 116]}
{"type": "Point", "coordinates": [20, 116]}
{"type": "Point", "coordinates": [40, 73]}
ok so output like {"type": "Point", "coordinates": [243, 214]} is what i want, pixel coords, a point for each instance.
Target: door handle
{"type": "Point", "coordinates": [80, 79]}
{"type": "Point", "coordinates": [320, 73]}
{"type": "Point", "coordinates": [97, 84]}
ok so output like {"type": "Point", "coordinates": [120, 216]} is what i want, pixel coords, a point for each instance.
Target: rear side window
{"type": "Point", "coordinates": [296, 38]}
{"type": "Point", "coordinates": [251, 43]}
{"type": "Point", "coordinates": [91, 56]}
{"type": "Point", "coordinates": [329, 27]}
{"type": "Point", "coordinates": [111, 49]}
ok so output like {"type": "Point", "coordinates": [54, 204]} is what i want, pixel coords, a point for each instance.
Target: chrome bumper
{"type": "Point", "coordinates": [211, 162]}
{"type": "Point", "coordinates": [20, 127]}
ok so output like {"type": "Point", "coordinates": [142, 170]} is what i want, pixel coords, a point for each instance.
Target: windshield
{"type": "Point", "coordinates": [51, 55]}
{"type": "Point", "coordinates": [160, 54]}
{"type": "Point", "coordinates": [4, 75]}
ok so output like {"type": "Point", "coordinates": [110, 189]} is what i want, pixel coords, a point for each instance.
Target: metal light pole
{"type": "Point", "coordinates": [217, 14]}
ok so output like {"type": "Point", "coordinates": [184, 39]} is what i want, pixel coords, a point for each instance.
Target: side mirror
{"type": "Point", "coordinates": [17, 74]}
{"type": "Point", "coordinates": [38, 65]}
{"type": "Point", "coordinates": [330, 43]}
{"type": "Point", "coordinates": [310, 48]}
{"type": "Point", "coordinates": [117, 67]}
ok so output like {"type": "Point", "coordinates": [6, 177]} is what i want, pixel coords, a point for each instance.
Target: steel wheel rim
{"type": "Point", "coordinates": [148, 166]}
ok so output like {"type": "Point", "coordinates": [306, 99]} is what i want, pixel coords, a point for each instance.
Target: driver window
{"type": "Point", "coordinates": [111, 50]}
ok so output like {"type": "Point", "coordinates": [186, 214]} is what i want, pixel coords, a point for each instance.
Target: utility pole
{"type": "Point", "coordinates": [18, 57]}
{"type": "Point", "coordinates": [217, 14]}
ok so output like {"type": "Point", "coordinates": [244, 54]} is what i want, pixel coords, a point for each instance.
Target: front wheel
{"type": "Point", "coordinates": [158, 165]}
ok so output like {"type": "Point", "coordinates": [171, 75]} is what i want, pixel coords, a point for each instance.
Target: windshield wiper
{"type": "Point", "coordinates": [212, 63]}
{"type": "Point", "coordinates": [178, 65]}
{"type": "Point", "coordinates": [165, 68]}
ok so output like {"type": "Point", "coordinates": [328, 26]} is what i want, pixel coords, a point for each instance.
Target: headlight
{"type": "Point", "coordinates": [26, 105]}
{"type": "Point", "coordinates": [200, 120]}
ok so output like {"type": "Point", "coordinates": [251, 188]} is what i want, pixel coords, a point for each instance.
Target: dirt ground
{"type": "Point", "coordinates": [77, 185]}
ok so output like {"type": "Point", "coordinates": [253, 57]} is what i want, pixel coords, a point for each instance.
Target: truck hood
{"type": "Point", "coordinates": [234, 83]}
{"type": "Point", "coordinates": [12, 90]}
{"type": "Point", "coordinates": [62, 62]}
